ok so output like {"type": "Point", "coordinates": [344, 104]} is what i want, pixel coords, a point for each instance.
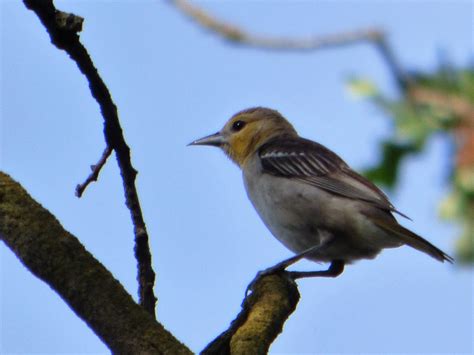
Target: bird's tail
{"type": "Point", "coordinates": [414, 240]}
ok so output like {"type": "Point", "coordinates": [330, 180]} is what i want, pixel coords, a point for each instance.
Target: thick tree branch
{"type": "Point", "coordinates": [237, 35]}
{"type": "Point", "coordinates": [65, 37]}
{"type": "Point", "coordinates": [264, 311]}
{"type": "Point", "coordinates": [59, 259]}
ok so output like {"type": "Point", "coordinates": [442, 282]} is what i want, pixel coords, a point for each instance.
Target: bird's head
{"type": "Point", "coordinates": [246, 131]}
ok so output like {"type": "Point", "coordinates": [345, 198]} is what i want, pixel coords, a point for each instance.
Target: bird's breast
{"type": "Point", "coordinates": [291, 210]}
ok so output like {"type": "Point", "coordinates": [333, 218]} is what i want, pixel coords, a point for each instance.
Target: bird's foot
{"type": "Point", "coordinates": [262, 273]}
{"type": "Point", "coordinates": [280, 267]}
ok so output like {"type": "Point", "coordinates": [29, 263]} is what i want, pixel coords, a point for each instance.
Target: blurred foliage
{"type": "Point", "coordinates": [386, 171]}
{"type": "Point", "coordinates": [459, 206]}
{"type": "Point", "coordinates": [440, 102]}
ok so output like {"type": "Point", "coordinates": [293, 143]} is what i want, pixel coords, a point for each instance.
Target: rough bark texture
{"type": "Point", "coordinates": [58, 258]}
{"type": "Point", "coordinates": [264, 312]}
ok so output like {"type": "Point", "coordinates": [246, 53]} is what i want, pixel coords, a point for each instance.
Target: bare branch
{"type": "Point", "coordinates": [237, 35]}
{"type": "Point", "coordinates": [401, 77]}
{"type": "Point", "coordinates": [59, 259]}
{"type": "Point", "coordinates": [80, 188]}
{"type": "Point", "coordinates": [66, 38]}
{"type": "Point", "coordinates": [264, 311]}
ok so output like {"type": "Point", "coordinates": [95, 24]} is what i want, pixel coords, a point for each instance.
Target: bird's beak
{"type": "Point", "coordinates": [215, 140]}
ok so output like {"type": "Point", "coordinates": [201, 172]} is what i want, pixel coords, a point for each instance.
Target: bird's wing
{"type": "Point", "coordinates": [314, 164]}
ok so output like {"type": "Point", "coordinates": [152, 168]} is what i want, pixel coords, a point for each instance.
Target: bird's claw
{"type": "Point", "coordinates": [262, 273]}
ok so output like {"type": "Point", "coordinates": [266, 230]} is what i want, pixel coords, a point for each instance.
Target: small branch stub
{"type": "Point", "coordinates": [69, 22]}
{"type": "Point", "coordinates": [80, 188]}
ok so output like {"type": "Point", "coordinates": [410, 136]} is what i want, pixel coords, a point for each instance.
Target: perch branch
{"type": "Point", "coordinates": [264, 311]}
{"type": "Point", "coordinates": [59, 259]}
{"type": "Point", "coordinates": [67, 39]}
{"type": "Point", "coordinates": [80, 188]}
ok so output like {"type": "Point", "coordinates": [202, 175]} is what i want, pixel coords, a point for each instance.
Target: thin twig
{"type": "Point", "coordinates": [402, 78]}
{"type": "Point", "coordinates": [80, 188]}
{"type": "Point", "coordinates": [237, 35]}
{"type": "Point", "coordinates": [67, 39]}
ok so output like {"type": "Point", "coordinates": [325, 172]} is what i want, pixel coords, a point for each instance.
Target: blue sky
{"type": "Point", "coordinates": [174, 82]}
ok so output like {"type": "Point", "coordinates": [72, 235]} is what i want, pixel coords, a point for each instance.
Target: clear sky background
{"type": "Point", "coordinates": [174, 82]}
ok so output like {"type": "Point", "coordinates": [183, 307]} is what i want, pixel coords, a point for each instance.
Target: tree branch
{"type": "Point", "coordinates": [59, 259]}
{"type": "Point", "coordinates": [274, 297]}
{"type": "Point", "coordinates": [80, 188]}
{"type": "Point", "coordinates": [237, 35]}
{"type": "Point", "coordinates": [401, 77]}
{"type": "Point", "coordinates": [65, 37]}
{"type": "Point", "coordinates": [264, 311]}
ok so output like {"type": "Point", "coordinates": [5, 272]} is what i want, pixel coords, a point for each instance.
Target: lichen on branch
{"type": "Point", "coordinates": [59, 259]}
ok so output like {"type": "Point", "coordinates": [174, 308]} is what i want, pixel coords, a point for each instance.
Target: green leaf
{"type": "Point", "coordinates": [386, 171]}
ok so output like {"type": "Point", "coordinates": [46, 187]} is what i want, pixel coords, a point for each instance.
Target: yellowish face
{"type": "Point", "coordinates": [245, 132]}
{"type": "Point", "coordinates": [241, 133]}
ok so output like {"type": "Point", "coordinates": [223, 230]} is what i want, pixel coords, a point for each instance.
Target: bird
{"type": "Point", "coordinates": [309, 198]}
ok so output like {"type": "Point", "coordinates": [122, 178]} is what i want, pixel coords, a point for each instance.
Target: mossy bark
{"type": "Point", "coordinates": [264, 312]}
{"type": "Point", "coordinates": [59, 259]}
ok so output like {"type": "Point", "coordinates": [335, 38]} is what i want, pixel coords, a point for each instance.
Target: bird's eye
{"type": "Point", "coordinates": [238, 125]}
